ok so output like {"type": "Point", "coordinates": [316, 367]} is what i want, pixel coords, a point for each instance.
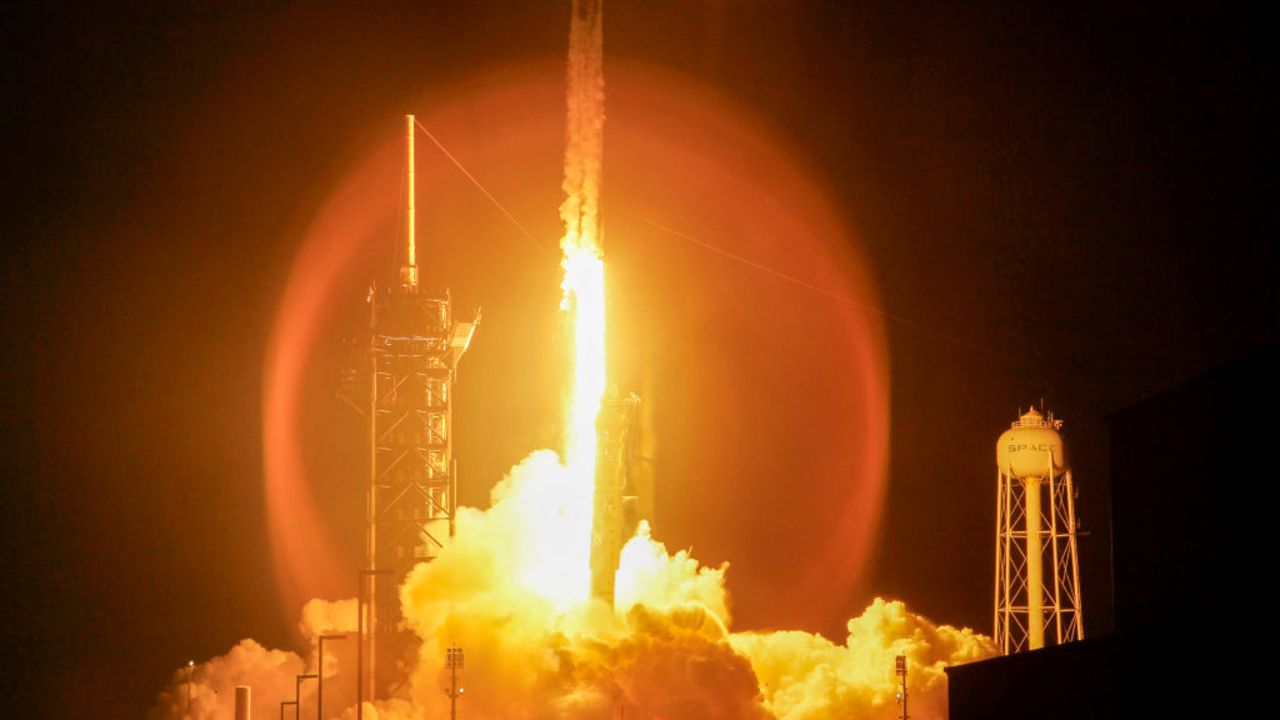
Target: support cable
{"type": "Point", "coordinates": [945, 336]}
{"type": "Point", "coordinates": [458, 164]}
{"type": "Point", "coordinates": [820, 290]}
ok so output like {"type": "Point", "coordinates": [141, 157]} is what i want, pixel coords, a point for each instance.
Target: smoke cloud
{"type": "Point", "coordinates": [664, 651]}
{"type": "Point", "coordinates": [208, 688]}
{"type": "Point", "coordinates": [807, 677]}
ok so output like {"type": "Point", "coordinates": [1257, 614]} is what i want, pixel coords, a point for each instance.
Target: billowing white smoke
{"type": "Point", "coordinates": [665, 651]}
{"type": "Point", "coordinates": [807, 677]}
{"type": "Point", "coordinates": [210, 685]}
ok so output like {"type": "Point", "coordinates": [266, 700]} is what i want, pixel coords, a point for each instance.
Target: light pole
{"type": "Point", "coordinates": [362, 603]}
{"type": "Point", "coordinates": [286, 702]}
{"type": "Point", "coordinates": [297, 693]}
{"type": "Point", "coordinates": [320, 672]}
{"type": "Point", "coordinates": [191, 666]}
{"type": "Point", "coordinates": [900, 666]}
{"type": "Point", "coordinates": [453, 661]}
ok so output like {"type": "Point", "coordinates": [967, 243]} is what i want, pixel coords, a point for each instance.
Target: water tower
{"type": "Point", "coordinates": [1037, 566]}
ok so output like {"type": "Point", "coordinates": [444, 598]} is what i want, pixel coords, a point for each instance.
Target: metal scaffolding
{"type": "Point", "coordinates": [411, 496]}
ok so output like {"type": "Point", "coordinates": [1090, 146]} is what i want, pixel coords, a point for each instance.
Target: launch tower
{"type": "Point", "coordinates": [1035, 532]}
{"type": "Point", "coordinates": [415, 344]}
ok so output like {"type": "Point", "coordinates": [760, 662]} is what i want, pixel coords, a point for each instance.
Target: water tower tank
{"type": "Point", "coordinates": [1025, 449]}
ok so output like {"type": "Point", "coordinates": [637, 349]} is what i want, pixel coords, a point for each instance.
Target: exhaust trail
{"type": "Point", "coordinates": [583, 298]}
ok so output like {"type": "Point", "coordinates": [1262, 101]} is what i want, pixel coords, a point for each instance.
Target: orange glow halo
{"type": "Point", "coordinates": [769, 401]}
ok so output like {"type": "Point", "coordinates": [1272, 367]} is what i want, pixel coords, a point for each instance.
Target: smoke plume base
{"type": "Point", "coordinates": [666, 650]}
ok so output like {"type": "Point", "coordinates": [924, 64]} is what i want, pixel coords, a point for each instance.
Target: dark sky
{"type": "Point", "coordinates": [1065, 202]}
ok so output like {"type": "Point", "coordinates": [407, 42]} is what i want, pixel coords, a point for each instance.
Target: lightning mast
{"type": "Point", "coordinates": [411, 496]}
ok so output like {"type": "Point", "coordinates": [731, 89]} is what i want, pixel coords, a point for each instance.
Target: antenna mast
{"type": "Point", "coordinates": [409, 270]}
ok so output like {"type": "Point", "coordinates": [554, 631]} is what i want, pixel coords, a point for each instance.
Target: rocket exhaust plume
{"type": "Point", "coordinates": [513, 587]}
{"type": "Point", "coordinates": [583, 295]}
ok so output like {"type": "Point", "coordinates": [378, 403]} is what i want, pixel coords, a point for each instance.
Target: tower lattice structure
{"type": "Point", "coordinates": [414, 347]}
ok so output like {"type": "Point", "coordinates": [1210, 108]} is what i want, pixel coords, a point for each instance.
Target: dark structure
{"type": "Point", "coordinates": [615, 512]}
{"type": "Point", "coordinates": [1191, 487]}
{"type": "Point", "coordinates": [1189, 495]}
{"type": "Point", "coordinates": [414, 350]}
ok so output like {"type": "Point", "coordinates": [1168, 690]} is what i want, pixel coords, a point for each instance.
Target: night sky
{"type": "Point", "coordinates": [1063, 203]}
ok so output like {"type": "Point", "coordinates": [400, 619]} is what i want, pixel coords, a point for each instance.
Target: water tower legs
{"type": "Point", "coordinates": [1037, 570]}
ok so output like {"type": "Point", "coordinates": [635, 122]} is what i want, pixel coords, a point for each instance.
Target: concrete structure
{"type": "Point", "coordinates": [242, 702]}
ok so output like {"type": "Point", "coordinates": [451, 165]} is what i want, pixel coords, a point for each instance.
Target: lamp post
{"type": "Point", "coordinates": [297, 693]}
{"type": "Point", "coordinates": [191, 666]}
{"type": "Point", "coordinates": [362, 603]}
{"type": "Point", "coordinates": [320, 673]}
{"type": "Point", "coordinates": [286, 702]}
{"type": "Point", "coordinates": [453, 661]}
{"type": "Point", "coordinates": [900, 666]}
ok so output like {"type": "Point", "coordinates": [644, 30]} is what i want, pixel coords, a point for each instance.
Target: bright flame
{"type": "Point", "coordinates": [565, 577]}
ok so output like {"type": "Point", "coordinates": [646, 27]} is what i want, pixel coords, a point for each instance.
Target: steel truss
{"type": "Point", "coordinates": [412, 493]}
{"type": "Point", "coordinates": [1060, 586]}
